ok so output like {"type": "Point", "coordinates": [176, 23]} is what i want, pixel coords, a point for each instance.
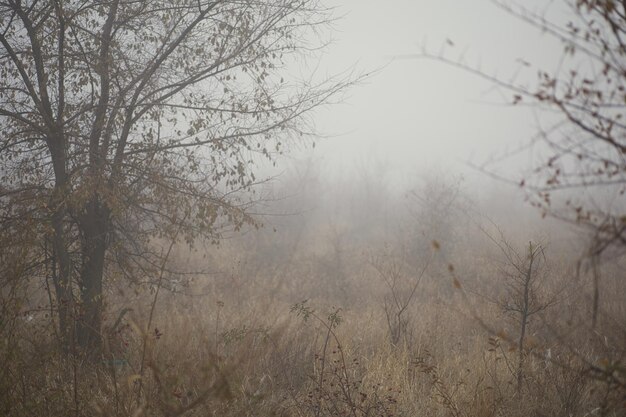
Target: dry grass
{"type": "Point", "coordinates": [241, 350]}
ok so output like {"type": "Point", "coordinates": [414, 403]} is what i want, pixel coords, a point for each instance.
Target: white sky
{"type": "Point", "coordinates": [415, 114]}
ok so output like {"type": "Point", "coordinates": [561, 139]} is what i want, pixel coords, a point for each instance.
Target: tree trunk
{"type": "Point", "coordinates": [94, 226]}
{"type": "Point", "coordinates": [525, 313]}
{"type": "Point", "coordinates": [520, 347]}
{"type": "Point", "coordinates": [61, 277]}
{"type": "Point", "coordinates": [62, 280]}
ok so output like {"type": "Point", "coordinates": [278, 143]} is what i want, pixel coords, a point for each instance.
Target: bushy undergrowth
{"type": "Point", "coordinates": [242, 344]}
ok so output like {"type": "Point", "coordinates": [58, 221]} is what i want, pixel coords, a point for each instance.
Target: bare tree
{"type": "Point", "coordinates": [583, 177]}
{"type": "Point", "coordinates": [124, 121]}
{"type": "Point", "coordinates": [402, 282]}
{"type": "Point", "coordinates": [523, 273]}
{"type": "Point", "coordinates": [588, 143]}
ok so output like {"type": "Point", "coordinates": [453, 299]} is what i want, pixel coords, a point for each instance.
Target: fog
{"type": "Point", "coordinates": [415, 114]}
{"type": "Point", "coordinates": [313, 208]}
{"type": "Point", "coordinates": [415, 120]}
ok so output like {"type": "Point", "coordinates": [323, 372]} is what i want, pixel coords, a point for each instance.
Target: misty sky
{"type": "Point", "coordinates": [416, 115]}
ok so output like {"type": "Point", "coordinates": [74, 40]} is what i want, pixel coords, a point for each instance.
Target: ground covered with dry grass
{"type": "Point", "coordinates": [313, 328]}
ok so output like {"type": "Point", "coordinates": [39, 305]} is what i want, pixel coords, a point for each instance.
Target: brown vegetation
{"type": "Point", "coordinates": [241, 340]}
{"type": "Point", "coordinates": [120, 294]}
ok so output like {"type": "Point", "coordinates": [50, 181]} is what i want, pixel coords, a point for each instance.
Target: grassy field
{"type": "Point", "coordinates": [290, 328]}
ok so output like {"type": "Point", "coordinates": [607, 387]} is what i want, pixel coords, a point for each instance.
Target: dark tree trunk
{"type": "Point", "coordinates": [94, 226]}
{"type": "Point", "coordinates": [61, 276]}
